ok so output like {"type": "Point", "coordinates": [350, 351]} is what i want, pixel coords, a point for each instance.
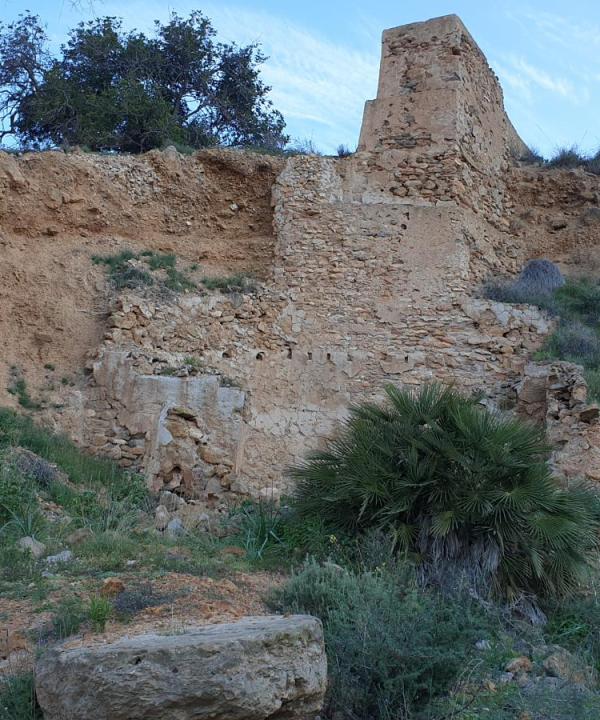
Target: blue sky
{"type": "Point", "coordinates": [324, 55]}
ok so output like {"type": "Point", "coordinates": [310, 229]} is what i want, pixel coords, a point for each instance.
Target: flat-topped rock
{"type": "Point", "coordinates": [260, 667]}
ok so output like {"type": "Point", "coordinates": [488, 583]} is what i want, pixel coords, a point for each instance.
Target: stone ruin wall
{"type": "Point", "coordinates": [376, 260]}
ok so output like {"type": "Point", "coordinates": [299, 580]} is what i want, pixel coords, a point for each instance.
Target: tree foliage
{"type": "Point", "coordinates": [112, 89]}
{"type": "Point", "coordinates": [461, 489]}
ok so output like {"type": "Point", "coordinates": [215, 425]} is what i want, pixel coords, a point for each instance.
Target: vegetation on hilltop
{"type": "Point", "coordinates": [566, 157]}
{"type": "Point", "coordinates": [576, 303]}
{"type": "Point", "coordinates": [118, 90]}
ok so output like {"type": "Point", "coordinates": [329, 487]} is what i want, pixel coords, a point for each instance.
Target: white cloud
{"type": "Point", "coordinates": [531, 74]}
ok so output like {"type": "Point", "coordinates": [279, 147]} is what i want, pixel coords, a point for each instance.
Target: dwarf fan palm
{"type": "Point", "coordinates": [458, 487]}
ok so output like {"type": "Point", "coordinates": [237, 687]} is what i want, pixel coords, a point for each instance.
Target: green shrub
{"type": "Point", "coordinates": [574, 623]}
{"type": "Point", "coordinates": [536, 285]}
{"type": "Point", "coordinates": [18, 387]}
{"type": "Point", "coordinates": [68, 617]}
{"type": "Point", "coordinates": [17, 493]}
{"type": "Point", "coordinates": [580, 300]}
{"type": "Point", "coordinates": [459, 488]}
{"type": "Point", "coordinates": [124, 275]}
{"type": "Point", "coordinates": [99, 612]}
{"type": "Point", "coordinates": [16, 565]}
{"type": "Point", "coordinates": [541, 700]}
{"type": "Point", "coordinates": [391, 648]}
{"type": "Point", "coordinates": [108, 551]}
{"type": "Point", "coordinates": [577, 303]}
{"type": "Point", "coordinates": [575, 342]}
{"type": "Point", "coordinates": [261, 529]}
{"type": "Point", "coordinates": [17, 698]}
{"type": "Point", "coordinates": [343, 151]}
{"type": "Point", "coordinates": [567, 157]}
{"type": "Point", "coordinates": [232, 283]}
{"type": "Point", "coordinates": [82, 469]}
{"type": "Point", "coordinates": [158, 261]}
{"type": "Point", "coordinates": [178, 281]}
{"type": "Point", "coordinates": [592, 378]}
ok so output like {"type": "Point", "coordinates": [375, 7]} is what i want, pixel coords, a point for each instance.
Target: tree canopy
{"type": "Point", "coordinates": [113, 89]}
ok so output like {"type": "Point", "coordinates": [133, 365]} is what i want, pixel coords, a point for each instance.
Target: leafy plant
{"type": "Point", "coordinates": [68, 617]}
{"type": "Point", "coordinates": [108, 551]}
{"type": "Point", "coordinates": [99, 612]}
{"type": "Point", "coordinates": [459, 488]}
{"type": "Point", "coordinates": [112, 89]}
{"type": "Point", "coordinates": [158, 261]}
{"type": "Point", "coordinates": [567, 157]}
{"type": "Point", "coordinates": [536, 285]}
{"type": "Point", "coordinates": [231, 283]}
{"type": "Point", "coordinates": [178, 281]}
{"type": "Point", "coordinates": [576, 302]}
{"type": "Point", "coordinates": [16, 565]}
{"type": "Point", "coordinates": [391, 647]}
{"type": "Point", "coordinates": [19, 388]}
{"type": "Point", "coordinates": [17, 698]}
{"type": "Point", "coordinates": [81, 468]}
{"type": "Point", "coordinates": [261, 529]}
{"type": "Point", "coordinates": [121, 272]}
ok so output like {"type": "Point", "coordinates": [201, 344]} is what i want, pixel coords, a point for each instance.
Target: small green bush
{"type": "Point", "coordinates": [19, 388]}
{"type": "Point", "coordinates": [460, 489]}
{"type": "Point", "coordinates": [82, 469]}
{"type": "Point", "coordinates": [577, 335]}
{"type": "Point", "coordinates": [178, 281]}
{"type": "Point", "coordinates": [68, 617]}
{"type": "Point", "coordinates": [575, 342]}
{"type": "Point", "coordinates": [574, 623]}
{"type": "Point", "coordinates": [99, 612]}
{"type": "Point", "coordinates": [261, 527]}
{"type": "Point", "coordinates": [158, 261]}
{"type": "Point", "coordinates": [17, 566]}
{"type": "Point", "coordinates": [343, 151]}
{"type": "Point", "coordinates": [567, 157]}
{"type": "Point", "coordinates": [132, 278]}
{"type": "Point", "coordinates": [536, 285]}
{"type": "Point", "coordinates": [124, 275]}
{"type": "Point", "coordinates": [580, 300]}
{"type": "Point", "coordinates": [391, 647]}
{"type": "Point", "coordinates": [108, 551]}
{"type": "Point", "coordinates": [17, 493]}
{"type": "Point", "coordinates": [231, 283]}
{"type": "Point", "coordinates": [17, 698]}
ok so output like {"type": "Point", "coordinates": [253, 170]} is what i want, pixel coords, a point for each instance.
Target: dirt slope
{"type": "Point", "coordinates": [212, 209]}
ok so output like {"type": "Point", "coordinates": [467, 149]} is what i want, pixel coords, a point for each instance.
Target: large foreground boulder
{"type": "Point", "coordinates": [261, 667]}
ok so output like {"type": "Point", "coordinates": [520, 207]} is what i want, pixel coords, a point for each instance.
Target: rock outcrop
{"type": "Point", "coordinates": [265, 667]}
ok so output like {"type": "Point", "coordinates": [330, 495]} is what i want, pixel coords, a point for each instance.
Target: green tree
{"type": "Point", "coordinates": [462, 490]}
{"type": "Point", "coordinates": [111, 89]}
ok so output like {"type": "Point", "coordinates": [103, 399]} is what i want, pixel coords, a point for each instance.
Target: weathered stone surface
{"type": "Point", "coordinates": [555, 394]}
{"type": "Point", "coordinates": [264, 667]}
{"type": "Point", "coordinates": [35, 547]}
{"type": "Point", "coordinates": [64, 556]}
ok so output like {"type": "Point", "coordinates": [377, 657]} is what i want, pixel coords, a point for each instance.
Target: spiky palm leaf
{"type": "Point", "coordinates": [453, 483]}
